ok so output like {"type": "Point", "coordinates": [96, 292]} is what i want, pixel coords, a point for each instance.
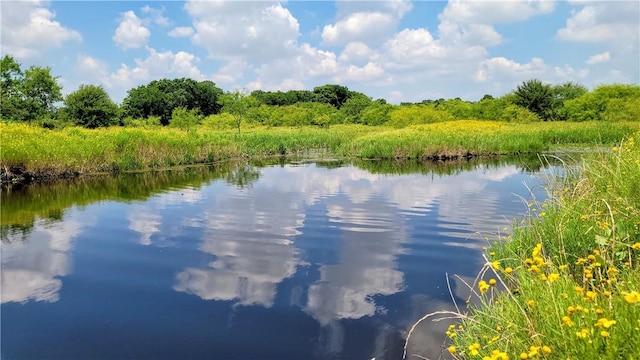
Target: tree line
{"type": "Point", "coordinates": [34, 95]}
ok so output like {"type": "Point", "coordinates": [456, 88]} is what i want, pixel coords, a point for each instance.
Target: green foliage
{"type": "Point", "coordinates": [335, 95]}
{"type": "Point", "coordinates": [606, 102]}
{"type": "Point", "coordinates": [238, 103]}
{"type": "Point", "coordinates": [161, 97]}
{"type": "Point", "coordinates": [90, 106]}
{"type": "Point", "coordinates": [571, 268]}
{"type": "Point", "coordinates": [27, 95]}
{"type": "Point", "coordinates": [536, 97]}
{"type": "Point", "coordinates": [378, 113]}
{"type": "Point", "coordinates": [150, 122]}
{"type": "Point", "coordinates": [515, 113]}
{"type": "Point", "coordinates": [417, 114]}
{"type": "Point", "coordinates": [222, 121]}
{"type": "Point", "coordinates": [351, 110]}
{"type": "Point", "coordinates": [185, 119]}
{"type": "Point", "coordinates": [458, 108]}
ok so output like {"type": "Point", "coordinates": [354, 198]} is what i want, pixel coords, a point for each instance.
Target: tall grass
{"type": "Point", "coordinates": [87, 151]}
{"type": "Point", "coordinates": [571, 272]}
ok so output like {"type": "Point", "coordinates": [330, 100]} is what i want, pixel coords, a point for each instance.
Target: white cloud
{"type": "Point", "coordinates": [503, 68]}
{"type": "Point", "coordinates": [230, 72]}
{"type": "Point", "coordinates": [364, 27]}
{"type": "Point", "coordinates": [157, 65]}
{"type": "Point", "coordinates": [414, 45]}
{"type": "Point", "coordinates": [599, 58]}
{"type": "Point", "coordinates": [494, 12]}
{"type": "Point", "coordinates": [354, 73]}
{"type": "Point", "coordinates": [92, 67]}
{"type": "Point", "coordinates": [182, 31]}
{"type": "Point", "coordinates": [156, 15]}
{"type": "Point", "coordinates": [131, 33]}
{"type": "Point", "coordinates": [370, 22]}
{"type": "Point", "coordinates": [356, 51]}
{"type": "Point", "coordinates": [253, 31]}
{"type": "Point", "coordinates": [605, 21]}
{"type": "Point", "coordinates": [28, 29]}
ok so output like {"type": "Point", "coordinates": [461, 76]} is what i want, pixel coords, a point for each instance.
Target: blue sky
{"type": "Point", "coordinates": [398, 50]}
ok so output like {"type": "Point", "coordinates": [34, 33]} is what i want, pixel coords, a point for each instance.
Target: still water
{"type": "Point", "coordinates": [292, 260]}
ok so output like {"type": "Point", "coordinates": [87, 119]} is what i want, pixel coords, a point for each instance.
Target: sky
{"type": "Point", "coordinates": [399, 50]}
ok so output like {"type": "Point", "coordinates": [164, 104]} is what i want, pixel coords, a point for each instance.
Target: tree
{"type": "Point", "coordinates": [11, 97]}
{"type": "Point", "coordinates": [237, 103]}
{"type": "Point", "coordinates": [41, 91]}
{"type": "Point", "coordinates": [536, 97]}
{"type": "Point", "coordinates": [30, 94]}
{"type": "Point", "coordinates": [90, 106]}
{"type": "Point", "coordinates": [352, 109]}
{"type": "Point", "coordinates": [335, 95]}
{"type": "Point", "coordinates": [185, 119]}
{"type": "Point", "coordinates": [161, 97]}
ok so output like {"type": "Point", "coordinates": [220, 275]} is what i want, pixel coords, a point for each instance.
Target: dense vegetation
{"type": "Point", "coordinates": [75, 150]}
{"type": "Point", "coordinates": [572, 271]}
{"type": "Point", "coordinates": [181, 121]}
{"type": "Point", "coordinates": [33, 95]}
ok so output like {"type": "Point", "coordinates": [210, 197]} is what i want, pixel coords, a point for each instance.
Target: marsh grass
{"type": "Point", "coordinates": [133, 148]}
{"type": "Point", "coordinates": [571, 270]}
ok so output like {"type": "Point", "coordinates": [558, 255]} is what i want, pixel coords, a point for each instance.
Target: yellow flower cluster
{"type": "Point", "coordinates": [535, 351]}
{"type": "Point", "coordinates": [631, 297]}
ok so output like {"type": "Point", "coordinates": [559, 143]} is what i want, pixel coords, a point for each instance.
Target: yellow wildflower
{"type": "Point", "coordinates": [492, 282]}
{"type": "Point", "coordinates": [605, 323]}
{"type": "Point", "coordinates": [567, 321]}
{"type": "Point", "coordinates": [473, 349]}
{"type": "Point", "coordinates": [590, 296]}
{"type": "Point", "coordinates": [604, 333]}
{"type": "Point", "coordinates": [524, 356]}
{"type": "Point", "coordinates": [483, 286]}
{"type": "Point", "coordinates": [553, 277]}
{"type": "Point", "coordinates": [583, 333]}
{"type": "Point", "coordinates": [546, 349]}
{"type": "Point", "coordinates": [508, 270]}
{"type": "Point", "coordinates": [452, 349]}
{"type": "Point", "coordinates": [631, 297]}
{"type": "Point", "coordinates": [531, 302]}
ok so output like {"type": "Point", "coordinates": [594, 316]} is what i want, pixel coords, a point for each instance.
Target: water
{"type": "Point", "coordinates": [249, 261]}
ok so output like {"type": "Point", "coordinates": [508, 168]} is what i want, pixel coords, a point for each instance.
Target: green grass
{"type": "Point", "coordinates": [90, 151]}
{"type": "Point", "coordinates": [571, 269]}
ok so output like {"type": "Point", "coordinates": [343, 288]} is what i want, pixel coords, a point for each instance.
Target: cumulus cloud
{"type": "Point", "coordinates": [599, 58]}
{"type": "Point", "coordinates": [157, 65]}
{"type": "Point", "coordinates": [606, 21]}
{"type": "Point", "coordinates": [493, 12]}
{"type": "Point", "coordinates": [502, 67]}
{"type": "Point", "coordinates": [181, 31]}
{"type": "Point", "coordinates": [365, 27]}
{"type": "Point", "coordinates": [131, 33]}
{"type": "Point", "coordinates": [356, 51]}
{"type": "Point", "coordinates": [254, 31]}
{"type": "Point", "coordinates": [366, 22]}
{"type": "Point", "coordinates": [90, 66]}
{"type": "Point", "coordinates": [156, 15]}
{"type": "Point", "coordinates": [28, 29]}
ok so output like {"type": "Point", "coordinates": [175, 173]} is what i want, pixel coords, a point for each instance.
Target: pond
{"type": "Point", "coordinates": [273, 259]}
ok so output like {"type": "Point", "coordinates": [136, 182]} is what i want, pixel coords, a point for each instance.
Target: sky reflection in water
{"type": "Point", "coordinates": [299, 262]}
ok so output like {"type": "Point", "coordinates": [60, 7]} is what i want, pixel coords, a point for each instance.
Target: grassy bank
{"type": "Point", "coordinates": [76, 150]}
{"type": "Point", "coordinates": [572, 271]}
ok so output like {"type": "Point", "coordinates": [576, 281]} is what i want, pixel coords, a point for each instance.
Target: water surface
{"type": "Point", "coordinates": [325, 260]}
